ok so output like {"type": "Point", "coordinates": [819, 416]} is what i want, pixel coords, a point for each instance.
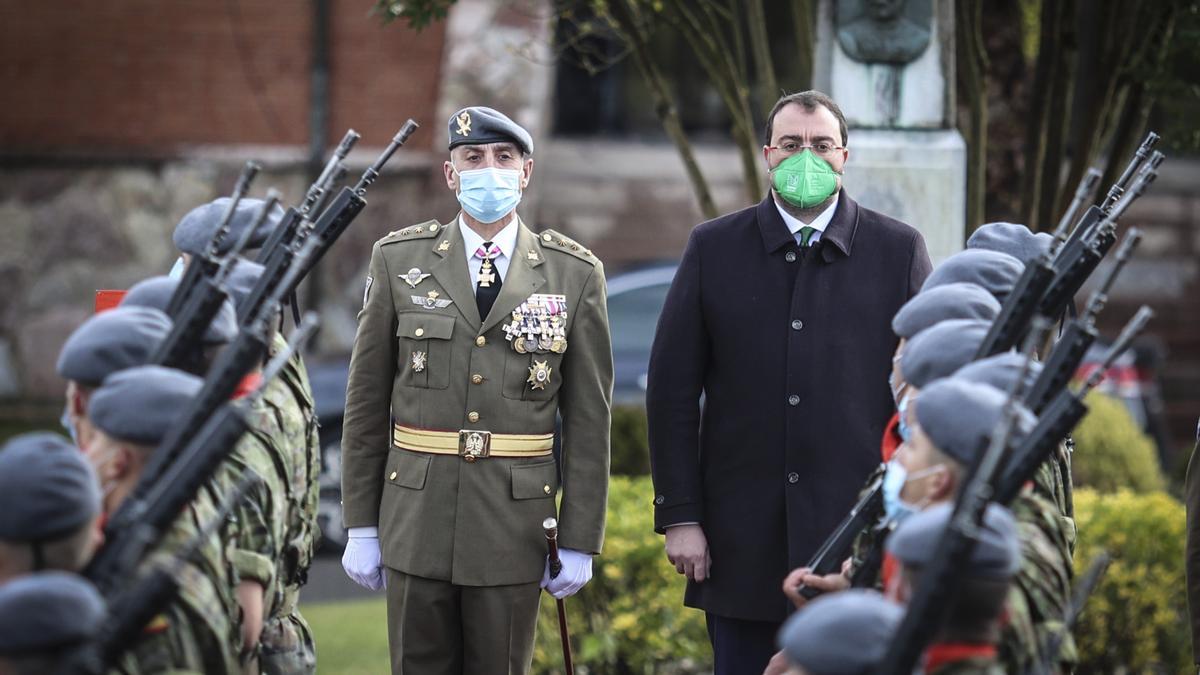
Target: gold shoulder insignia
{"type": "Point", "coordinates": [553, 241]}
{"type": "Point", "coordinates": [423, 230]}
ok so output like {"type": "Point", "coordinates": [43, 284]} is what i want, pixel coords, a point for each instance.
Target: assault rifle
{"type": "Point", "coordinates": [205, 263]}
{"type": "Point", "coordinates": [325, 231]}
{"type": "Point", "coordinates": [828, 559]}
{"type": "Point", "coordinates": [182, 347]}
{"type": "Point", "coordinates": [151, 593]}
{"type": "Point", "coordinates": [197, 421]}
{"type": "Point", "coordinates": [1083, 589]}
{"type": "Point", "coordinates": [939, 581]}
{"type": "Point", "coordinates": [1079, 334]}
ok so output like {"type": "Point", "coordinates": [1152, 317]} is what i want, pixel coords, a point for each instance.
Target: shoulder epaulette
{"type": "Point", "coordinates": [423, 230]}
{"type": "Point", "coordinates": [553, 241]}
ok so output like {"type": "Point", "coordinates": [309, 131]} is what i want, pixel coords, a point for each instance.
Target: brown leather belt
{"type": "Point", "coordinates": [472, 444]}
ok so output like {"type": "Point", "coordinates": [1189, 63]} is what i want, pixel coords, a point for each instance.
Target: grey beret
{"type": "Point", "coordinates": [960, 416]}
{"type": "Point", "coordinates": [997, 551]}
{"type": "Point", "coordinates": [242, 279]}
{"type": "Point", "coordinates": [47, 488]}
{"type": "Point", "coordinates": [941, 349]}
{"type": "Point", "coordinates": [1000, 371]}
{"type": "Point", "coordinates": [197, 228]}
{"type": "Point", "coordinates": [110, 341]}
{"type": "Point", "coordinates": [46, 612]}
{"type": "Point", "coordinates": [156, 292]}
{"type": "Point", "coordinates": [478, 125]}
{"type": "Point", "coordinates": [952, 301]}
{"type": "Point", "coordinates": [843, 633]}
{"type": "Point", "coordinates": [996, 272]}
{"type": "Point", "coordinates": [140, 405]}
{"type": "Point", "coordinates": [1011, 238]}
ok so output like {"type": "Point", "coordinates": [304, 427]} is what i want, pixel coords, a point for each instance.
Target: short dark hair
{"type": "Point", "coordinates": [809, 100]}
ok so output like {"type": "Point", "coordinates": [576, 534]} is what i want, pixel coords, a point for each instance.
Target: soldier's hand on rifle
{"type": "Point", "coordinates": [803, 576]}
{"type": "Point", "coordinates": [778, 665]}
{"type": "Point", "coordinates": [362, 559]}
{"type": "Point", "coordinates": [687, 549]}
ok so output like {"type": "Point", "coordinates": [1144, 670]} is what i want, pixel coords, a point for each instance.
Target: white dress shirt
{"type": "Point", "coordinates": [506, 239]}
{"type": "Point", "coordinates": [819, 223]}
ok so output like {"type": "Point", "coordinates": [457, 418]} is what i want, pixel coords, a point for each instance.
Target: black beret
{"type": "Point", "coordinates": [997, 550]}
{"type": "Point", "coordinates": [959, 417]}
{"type": "Point", "coordinates": [1000, 371]}
{"type": "Point", "coordinates": [156, 292]}
{"type": "Point", "coordinates": [45, 612]}
{"type": "Point", "coordinates": [110, 341]}
{"type": "Point", "coordinates": [951, 301]}
{"type": "Point", "coordinates": [1011, 238]}
{"type": "Point", "coordinates": [242, 279]}
{"type": "Point", "coordinates": [996, 272]}
{"type": "Point", "coordinates": [47, 488]}
{"type": "Point", "coordinates": [139, 405]}
{"type": "Point", "coordinates": [844, 633]}
{"type": "Point", "coordinates": [197, 228]}
{"type": "Point", "coordinates": [941, 349]}
{"type": "Point", "coordinates": [478, 125]}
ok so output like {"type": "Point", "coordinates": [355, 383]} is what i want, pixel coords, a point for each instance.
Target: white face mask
{"type": "Point", "coordinates": [894, 480]}
{"type": "Point", "coordinates": [177, 269]}
{"type": "Point", "coordinates": [488, 195]}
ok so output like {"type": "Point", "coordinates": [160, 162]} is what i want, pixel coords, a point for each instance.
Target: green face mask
{"type": "Point", "coordinates": [805, 180]}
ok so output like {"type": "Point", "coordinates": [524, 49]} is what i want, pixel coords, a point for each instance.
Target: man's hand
{"type": "Point", "coordinates": [576, 571]}
{"type": "Point", "coordinates": [778, 665]}
{"type": "Point", "coordinates": [362, 559]}
{"type": "Point", "coordinates": [803, 576]}
{"type": "Point", "coordinates": [687, 549]}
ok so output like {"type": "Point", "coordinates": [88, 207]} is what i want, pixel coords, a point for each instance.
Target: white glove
{"type": "Point", "coordinates": [576, 571]}
{"type": "Point", "coordinates": [362, 558]}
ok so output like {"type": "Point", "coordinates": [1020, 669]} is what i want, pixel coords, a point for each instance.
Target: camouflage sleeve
{"type": "Point", "coordinates": [1044, 579]}
{"type": "Point", "coordinates": [254, 546]}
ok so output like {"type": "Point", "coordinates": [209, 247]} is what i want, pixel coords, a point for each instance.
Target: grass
{"type": "Point", "coordinates": [351, 636]}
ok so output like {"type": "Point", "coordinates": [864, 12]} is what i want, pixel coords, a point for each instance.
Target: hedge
{"type": "Point", "coordinates": [1111, 452]}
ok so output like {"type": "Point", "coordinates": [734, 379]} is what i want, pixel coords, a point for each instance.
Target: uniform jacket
{"type": "Point", "coordinates": [791, 351]}
{"type": "Point", "coordinates": [440, 517]}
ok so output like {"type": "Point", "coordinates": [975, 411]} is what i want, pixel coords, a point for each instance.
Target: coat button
{"type": "Point", "coordinates": [790, 256]}
{"type": "Point", "coordinates": [546, 489]}
{"type": "Point", "coordinates": [793, 477]}
{"type": "Point", "coordinates": [480, 341]}
{"type": "Point", "coordinates": [472, 416]}
{"type": "Point", "coordinates": [793, 400]}
{"type": "Point", "coordinates": [393, 476]}
{"type": "Point", "coordinates": [476, 379]}
{"type": "Point", "coordinates": [797, 324]}
{"type": "Point", "coordinates": [659, 500]}
{"type": "Point", "coordinates": [419, 332]}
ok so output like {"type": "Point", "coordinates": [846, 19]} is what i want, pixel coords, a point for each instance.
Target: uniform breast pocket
{"type": "Point", "coordinates": [532, 377]}
{"type": "Point", "coordinates": [424, 347]}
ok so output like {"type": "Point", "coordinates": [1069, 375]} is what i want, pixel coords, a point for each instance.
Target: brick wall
{"type": "Point", "coordinates": [147, 77]}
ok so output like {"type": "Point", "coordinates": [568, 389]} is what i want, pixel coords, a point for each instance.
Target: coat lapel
{"type": "Point", "coordinates": [451, 272]}
{"type": "Point", "coordinates": [522, 279]}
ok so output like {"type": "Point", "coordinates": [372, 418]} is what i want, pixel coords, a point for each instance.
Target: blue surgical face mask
{"type": "Point", "coordinates": [897, 392]}
{"type": "Point", "coordinates": [177, 269]}
{"type": "Point", "coordinates": [894, 480]}
{"type": "Point", "coordinates": [902, 414]}
{"type": "Point", "coordinates": [487, 195]}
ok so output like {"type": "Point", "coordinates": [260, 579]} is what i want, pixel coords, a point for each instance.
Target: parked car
{"type": "Point", "coordinates": [635, 299]}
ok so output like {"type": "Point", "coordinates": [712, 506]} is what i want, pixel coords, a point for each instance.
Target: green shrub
{"type": "Point", "coordinates": [1111, 452]}
{"type": "Point", "coordinates": [630, 618]}
{"type": "Point", "coordinates": [1136, 620]}
{"type": "Point", "coordinates": [630, 441]}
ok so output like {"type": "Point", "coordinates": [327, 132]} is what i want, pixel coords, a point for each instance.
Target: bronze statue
{"type": "Point", "coordinates": [884, 31]}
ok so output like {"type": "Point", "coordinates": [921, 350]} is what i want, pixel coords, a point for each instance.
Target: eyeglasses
{"type": "Point", "coordinates": [822, 148]}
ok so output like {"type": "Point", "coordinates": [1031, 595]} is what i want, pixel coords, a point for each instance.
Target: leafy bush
{"type": "Point", "coordinates": [1136, 619]}
{"type": "Point", "coordinates": [1111, 452]}
{"type": "Point", "coordinates": [630, 441]}
{"type": "Point", "coordinates": [630, 618]}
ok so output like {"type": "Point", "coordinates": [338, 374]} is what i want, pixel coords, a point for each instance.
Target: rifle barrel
{"type": "Point", "coordinates": [1131, 330]}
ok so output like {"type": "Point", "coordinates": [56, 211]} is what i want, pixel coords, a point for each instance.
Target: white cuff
{"type": "Point", "coordinates": [363, 532]}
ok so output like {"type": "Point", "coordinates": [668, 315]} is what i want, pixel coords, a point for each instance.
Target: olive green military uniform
{"type": "Point", "coordinates": [200, 630]}
{"type": "Point", "coordinates": [461, 533]}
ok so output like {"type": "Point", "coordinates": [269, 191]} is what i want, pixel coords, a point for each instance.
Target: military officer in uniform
{"type": "Point", "coordinates": [473, 335]}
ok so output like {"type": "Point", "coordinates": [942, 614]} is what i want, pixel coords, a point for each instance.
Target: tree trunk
{"type": "Point", "coordinates": [802, 28]}
{"type": "Point", "coordinates": [768, 85]}
{"type": "Point", "coordinates": [971, 69]}
{"type": "Point", "coordinates": [1035, 155]}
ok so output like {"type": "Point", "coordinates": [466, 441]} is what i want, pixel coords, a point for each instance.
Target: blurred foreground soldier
{"type": "Point", "coordinates": [200, 631]}
{"type": "Point", "coordinates": [966, 641]}
{"type": "Point", "coordinates": [105, 343]}
{"type": "Point", "coordinates": [49, 506]}
{"type": "Point", "coordinates": [472, 336]}
{"type": "Point", "coordinates": [277, 524]}
{"type": "Point", "coordinates": [45, 619]}
{"type": "Point", "coordinates": [843, 634]}
{"type": "Point", "coordinates": [196, 229]}
{"type": "Point", "coordinates": [1011, 238]}
{"type": "Point", "coordinates": [779, 316]}
{"type": "Point", "coordinates": [996, 272]}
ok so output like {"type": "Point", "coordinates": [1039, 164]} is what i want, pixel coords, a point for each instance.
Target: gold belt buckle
{"type": "Point", "coordinates": [473, 445]}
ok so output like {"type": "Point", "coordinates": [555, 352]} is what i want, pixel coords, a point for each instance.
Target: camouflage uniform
{"type": "Point", "coordinates": [1053, 483]}
{"type": "Point", "coordinates": [200, 630]}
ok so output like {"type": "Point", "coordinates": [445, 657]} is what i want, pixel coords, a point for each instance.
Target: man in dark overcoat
{"type": "Point", "coordinates": [779, 320]}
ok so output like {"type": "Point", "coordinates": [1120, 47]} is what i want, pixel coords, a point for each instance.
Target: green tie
{"type": "Point", "coordinates": [806, 234]}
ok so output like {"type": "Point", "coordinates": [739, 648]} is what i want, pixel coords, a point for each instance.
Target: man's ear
{"type": "Point", "coordinates": [78, 401]}
{"type": "Point", "coordinates": [450, 175]}
{"type": "Point", "coordinates": [944, 483]}
{"type": "Point", "coordinates": [526, 172]}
